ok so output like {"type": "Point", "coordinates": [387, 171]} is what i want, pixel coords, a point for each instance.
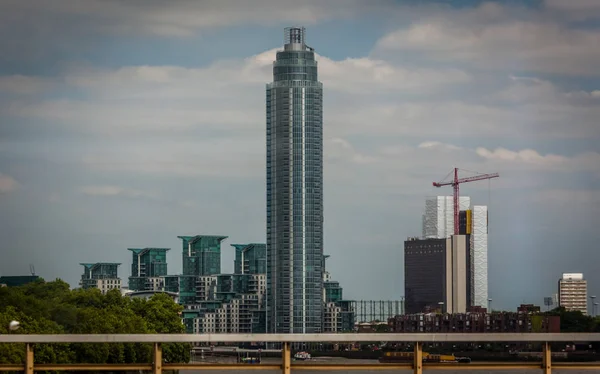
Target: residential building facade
{"type": "Point", "coordinates": [102, 275]}
{"type": "Point", "coordinates": [148, 269]}
{"type": "Point", "coordinates": [201, 256]}
{"type": "Point", "coordinates": [221, 303]}
{"type": "Point", "coordinates": [250, 258]}
{"type": "Point", "coordinates": [572, 292]}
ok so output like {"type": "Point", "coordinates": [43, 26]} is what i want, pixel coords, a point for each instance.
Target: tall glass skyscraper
{"type": "Point", "coordinates": [295, 190]}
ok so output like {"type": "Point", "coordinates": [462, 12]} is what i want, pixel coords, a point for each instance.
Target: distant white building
{"type": "Point", "coordinates": [572, 292]}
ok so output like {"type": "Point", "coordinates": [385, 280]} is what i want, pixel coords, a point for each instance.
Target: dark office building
{"type": "Point", "coordinates": [424, 274]}
{"type": "Point", "coordinates": [437, 275]}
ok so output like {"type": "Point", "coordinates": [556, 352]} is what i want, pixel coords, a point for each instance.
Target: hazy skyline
{"type": "Point", "coordinates": [127, 123]}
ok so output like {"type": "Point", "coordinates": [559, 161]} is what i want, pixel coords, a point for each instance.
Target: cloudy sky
{"type": "Point", "coordinates": [127, 123]}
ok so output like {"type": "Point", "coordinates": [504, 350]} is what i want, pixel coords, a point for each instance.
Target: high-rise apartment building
{"type": "Point", "coordinates": [148, 268]}
{"type": "Point", "coordinates": [250, 258]}
{"type": "Point", "coordinates": [201, 256]}
{"type": "Point", "coordinates": [102, 275]}
{"type": "Point", "coordinates": [572, 292]}
{"type": "Point", "coordinates": [294, 163]}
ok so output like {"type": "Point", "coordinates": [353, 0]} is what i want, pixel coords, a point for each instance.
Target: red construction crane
{"type": "Point", "coordinates": [455, 184]}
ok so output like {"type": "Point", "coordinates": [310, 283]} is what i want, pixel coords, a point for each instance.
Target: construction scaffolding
{"type": "Point", "coordinates": [377, 310]}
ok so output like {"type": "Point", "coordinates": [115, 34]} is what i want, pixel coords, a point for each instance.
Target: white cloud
{"type": "Point", "coordinates": [240, 157]}
{"type": "Point", "coordinates": [340, 150]}
{"type": "Point", "coordinates": [227, 95]}
{"type": "Point", "coordinates": [369, 76]}
{"type": "Point", "coordinates": [531, 119]}
{"type": "Point", "coordinates": [350, 76]}
{"type": "Point", "coordinates": [574, 9]}
{"type": "Point", "coordinates": [116, 191]}
{"type": "Point", "coordinates": [439, 145]}
{"type": "Point", "coordinates": [526, 155]}
{"type": "Point", "coordinates": [575, 196]}
{"type": "Point", "coordinates": [23, 85]}
{"type": "Point", "coordinates": [7, 184]}
{"type": "Point", "coordinates": [436, 154]}
{"type": "Point", "coordinates": [411, 169]}
{"type": "Point", "coordinates": [508, 42]}
{"type": "Point", "coordinates": [589, 161]}
{"type": "Point", "coordinates": [585, 5]}
{"type": "Point", "coordinates": [182, 18]}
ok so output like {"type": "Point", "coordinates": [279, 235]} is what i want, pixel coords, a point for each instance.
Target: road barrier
{"type": "Point", "coordinates": [286, 340]}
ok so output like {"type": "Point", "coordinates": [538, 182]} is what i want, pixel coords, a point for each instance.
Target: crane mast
{"type": "Point", "coordinates": [455, 183]}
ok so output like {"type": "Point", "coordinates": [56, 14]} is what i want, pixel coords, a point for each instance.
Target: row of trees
{"type": "Point", "coordinates": [575, 321]}
{"type": "Point", "coordinates": [53, 308]}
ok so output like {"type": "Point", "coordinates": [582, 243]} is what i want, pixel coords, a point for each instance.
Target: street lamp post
{"type": "Point", "coordinates": [13, 326]}
{"type": "Point", "coordinates": [593, 309]}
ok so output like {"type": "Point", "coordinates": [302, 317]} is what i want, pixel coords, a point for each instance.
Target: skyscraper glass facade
{"type": "Point", "coordinates": [294, 162]}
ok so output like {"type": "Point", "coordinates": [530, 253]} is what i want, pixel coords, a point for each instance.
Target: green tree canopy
{"type": "Point", "coordinates": [574, 321]}
{"type": "Point", "coordinates": [52, 308]}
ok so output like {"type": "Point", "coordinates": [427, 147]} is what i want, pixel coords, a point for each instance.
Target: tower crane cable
{"type": "Point", "coordinates": [446, 177]}
{"type": "Point", "coordinates": [471, 171]}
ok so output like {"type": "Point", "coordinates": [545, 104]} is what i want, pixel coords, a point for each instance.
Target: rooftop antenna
{"type": "Point", "coordinates": [32, 269]}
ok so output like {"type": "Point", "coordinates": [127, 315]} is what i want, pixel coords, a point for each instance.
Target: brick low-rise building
{"type": "Point", "coordinates": [474, 323]}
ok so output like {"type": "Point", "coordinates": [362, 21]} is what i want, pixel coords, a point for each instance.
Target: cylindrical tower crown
{"type": "Point", "coordinates": [295, 39]}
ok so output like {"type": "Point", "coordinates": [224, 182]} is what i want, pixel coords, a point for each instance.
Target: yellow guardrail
{"type": "Point", "coordinates": [286, 340]}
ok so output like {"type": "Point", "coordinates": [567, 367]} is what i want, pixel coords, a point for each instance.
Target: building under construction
{"type": "Point", "coordinates": [447, 268]}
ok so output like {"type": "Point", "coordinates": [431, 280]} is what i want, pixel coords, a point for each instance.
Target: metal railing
{"type": "Point", "coordinates": [417, 364]}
